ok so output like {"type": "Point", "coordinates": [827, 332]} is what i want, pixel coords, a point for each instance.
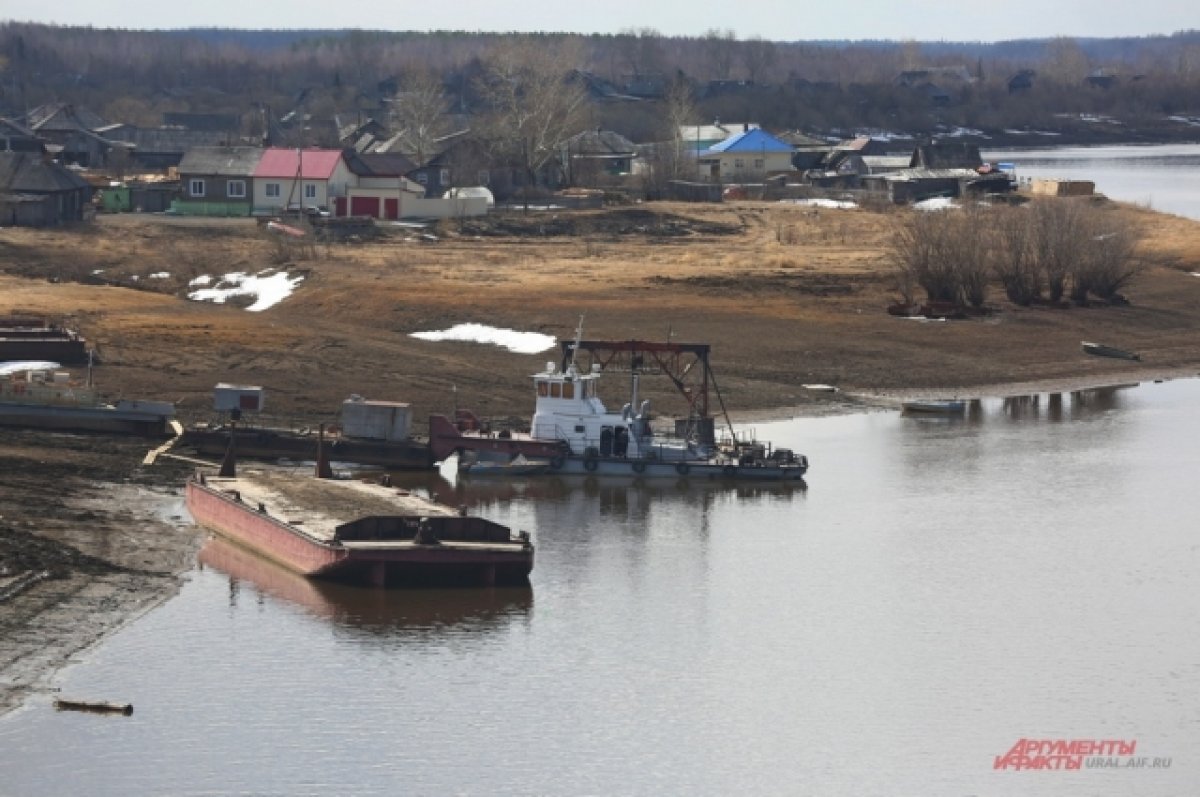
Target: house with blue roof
{"type": "Point", "coordinates": [752, 154]}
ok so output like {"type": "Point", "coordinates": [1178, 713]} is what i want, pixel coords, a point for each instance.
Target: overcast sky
{"type": "Point", "coordinates": [778, 20]}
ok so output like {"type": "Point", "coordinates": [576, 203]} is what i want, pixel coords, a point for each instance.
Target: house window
{"type": "Point", "coordinates": [310, 191]}
{"type": "Point", "coordinates": [235, 189]}
{"type": "Point", "coordinates": [196, 187]}
{"type": "Point", "coordinates": [444, 177]}
{"type": "Point", "coordinates": [272, 190]}
{"type": "Point", "coordinates": [483, 177]}
{"type": "Point", "coordinates": [423, 178]}
{"type": "Point", "coordinates": [738, 163]}
{"type": "Point", "coordinates": [758, 163]}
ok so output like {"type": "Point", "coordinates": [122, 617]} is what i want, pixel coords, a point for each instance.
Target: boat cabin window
{"type": "Point", "coordinates": [580, 428]}
{"type": "Point", "coordinates": [555, 390]}
{"type": "Point", "coordinates": [568, 390]}
{"type": "Point", "coordinates": [543, 389]}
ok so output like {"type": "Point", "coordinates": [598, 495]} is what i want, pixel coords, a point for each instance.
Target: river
{"type": "Point", "coordinates": [1164, 177]}
{"type": "Point", "coordinates": [940, 592]}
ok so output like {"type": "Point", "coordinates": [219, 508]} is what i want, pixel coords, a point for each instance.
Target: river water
{"type": "Point", "coordinates": [942, 590]}
{"type": "Point", "coordinates": [1164, 177]}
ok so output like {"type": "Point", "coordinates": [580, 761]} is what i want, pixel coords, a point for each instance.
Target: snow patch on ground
{"type": "Point", "coordinates": [520, 342]}
{"type": "Point", "coordinates": [836, 204]}
{"type": "Point", "coordinates": [160, 275]}
{"type": "Point", "coordinates": [269, 289]}
{"type": "Point", "coordinates": [203, 279]}
{"type": "Point", "coordinates": [937, 203]}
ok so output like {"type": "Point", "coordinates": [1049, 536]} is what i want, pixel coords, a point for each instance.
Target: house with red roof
{"type": "Point", "coordinates": [300, 178]}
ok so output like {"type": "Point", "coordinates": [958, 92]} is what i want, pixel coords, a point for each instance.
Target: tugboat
{"type": "Point", "coordinates": [574, 433]}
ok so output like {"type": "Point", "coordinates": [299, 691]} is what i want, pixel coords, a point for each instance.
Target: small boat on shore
{"type": "Point", "coordinates": [936, 407]}
{"type": "Point", "coordinates": [575, 434]}
{"type": "Point", "coordinates": [356, 531]}
{"type": "Point", "coordinates": [1101, 350]}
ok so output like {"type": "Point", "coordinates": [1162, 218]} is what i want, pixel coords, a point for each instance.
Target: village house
{"type": "Point", "coordinates": [596, 156]}
{"type": "Point", "coordinates": [293, 179]}
{"type": "Point", "coordinates": [380, 189]}
{"type": "Point", "coordinates": [16, 137]}
{"type": "Point", "coordinates": [698, 138]}
{"type": "Point", "coordinates": [70, 133]}
{"type": "Point", "coordinates": [35, 192]}
{"type": "Point", "coordinates": [752, 154]}
{"type": "Point", "coordinates": [941, 169]}
{"type": "Point", "coordinates": [156, 148]}
{"type": "Point", "coordinates": [217, 181]}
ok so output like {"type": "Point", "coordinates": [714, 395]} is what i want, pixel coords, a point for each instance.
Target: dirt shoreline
{"type": "Point", "coordinates": [787, 296]}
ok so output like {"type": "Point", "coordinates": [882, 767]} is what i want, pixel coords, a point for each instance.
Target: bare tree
{"type": "Point", "coordinates": [680, 111]}
{"type": "Point", "coordinates": [720, 48]}
{"type": "Point", "coordinates": [640, 50]}
{"type": "Point", "coordinates": [758, 56]}
{"type": "Point", "coordinates": [532, 106]}
{"type": "Point", "coordinates": [420, 111]}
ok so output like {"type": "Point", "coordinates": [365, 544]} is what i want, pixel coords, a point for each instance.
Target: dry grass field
{"type": "Point", "coordinates": [786, 295]}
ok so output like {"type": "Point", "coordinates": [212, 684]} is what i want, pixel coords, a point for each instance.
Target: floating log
{"type": "Point", "coordinates": [95, 707]}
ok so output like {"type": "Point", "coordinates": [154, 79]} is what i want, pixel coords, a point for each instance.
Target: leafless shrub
{"type": "Point", "coordinates": [1058, 227]}
{"type": "Point", "coordinates": [1013, 257]}
{"type": "Point", "coordinates": [1083, 248]}
{"type": "Point", "coordinates": [942, 253]}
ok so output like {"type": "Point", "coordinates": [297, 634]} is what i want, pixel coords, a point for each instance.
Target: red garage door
{"type": "Point", "coordinates": [364, 206]}
{"type": "Point", "coordinates": [391, 208]}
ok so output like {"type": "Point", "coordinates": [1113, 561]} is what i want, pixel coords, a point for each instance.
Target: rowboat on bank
{"type": "Point", "coordinates": [936, 407]}
{"type": "Point", "coordinates": [1100, 350]}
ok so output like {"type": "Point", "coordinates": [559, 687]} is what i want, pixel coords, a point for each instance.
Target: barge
{"type": "Point", "coordinates": [356, 531]}
{"type": "Point", "coordinates": [47, 399]}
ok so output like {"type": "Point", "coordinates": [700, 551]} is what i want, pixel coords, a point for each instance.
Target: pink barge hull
{"type": "Point", "coordinates": [397, 539]}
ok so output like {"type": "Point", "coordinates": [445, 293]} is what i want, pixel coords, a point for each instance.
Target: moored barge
{"type": "Point", "coordinates": [357, 531]}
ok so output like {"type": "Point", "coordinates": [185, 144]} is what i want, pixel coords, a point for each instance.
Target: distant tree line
{"type": "Point", "coordinates": [135, 76]}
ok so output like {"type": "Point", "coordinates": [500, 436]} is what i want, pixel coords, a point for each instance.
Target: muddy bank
{"type": "Point", "coordinates": [89, 539]}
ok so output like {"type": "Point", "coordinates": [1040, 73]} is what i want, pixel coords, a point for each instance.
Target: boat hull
{"type": "Point", "coordinates": [84, 419]}
{"type": "Point", "coordinates": [658, 469]}
{"type": "Point", "coordinates": [379, 563]}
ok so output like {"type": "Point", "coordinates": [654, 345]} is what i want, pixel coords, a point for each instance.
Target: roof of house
{"type": "Point", "coordinates": [165, 139]}
{"type": "Point", "coordinates": [749, 141]}
{"type": "Point", "coordinates": [946, 155]}
{"type": "Point", "coordinates": [308, 164]}
{"type": "Point", "coordinates": [379, 164]}
{"type": "Point", "coordinates": [63, 116]}
{"type": "Point", "coordinates": [600, 143]}
{"type": "Point", "coordinates": [232, 161]}
{"type": "Point", "coordinates": [713, 132]}
{"type": "Point", "coordinates": [29, 173]}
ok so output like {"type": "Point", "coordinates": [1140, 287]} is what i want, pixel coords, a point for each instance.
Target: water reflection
{"type": "Point", "coordinates": [1076, 405]}
{"type": "Point", "coordinates": [373, 611]}
{"type": "Point", "coordinates": [614, 492]}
